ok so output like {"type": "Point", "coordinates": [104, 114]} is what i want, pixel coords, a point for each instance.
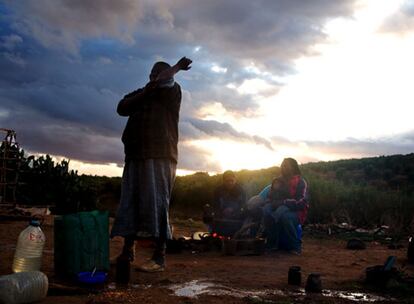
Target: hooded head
{"type": "Point", "coordinates": [157, 69]}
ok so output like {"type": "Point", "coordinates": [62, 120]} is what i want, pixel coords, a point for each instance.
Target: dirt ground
{"type": "Point", "coordinates": [240, 279]}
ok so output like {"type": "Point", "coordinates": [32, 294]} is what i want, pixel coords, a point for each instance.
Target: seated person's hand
{"type": "Point", "coordinates": [290, 203]}
{"type": "Point", "coordinates": [255, 202]}
{"type": "Point", "coordinates": [276, 203]}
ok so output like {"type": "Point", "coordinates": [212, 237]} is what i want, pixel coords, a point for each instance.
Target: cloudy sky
{"type": "Point", "coordinates": [314, 80]}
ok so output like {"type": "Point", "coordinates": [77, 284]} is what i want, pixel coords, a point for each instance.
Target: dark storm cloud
{"type": "Point", "coordinates": [266, 32]}
{"type": "Point", "coordinates": [71, 140]}
{"type": "Point", "coordinates": [63, 24]}
{"type": "Point", "coordinates": [249, 29]}
{"type": "Point", "coordinates": [402, 21]}
{"type": "Point", "coordinates": [69, 62]}
{"type": "Point", "coordinates": [87, 106]}
{"type": "Point", "coordinates": [269, 33]}
{"type": "Point", "coordinates": [9, 42]}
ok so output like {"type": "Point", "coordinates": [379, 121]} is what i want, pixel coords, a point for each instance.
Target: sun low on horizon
{"type": "Point", "coordinates": [313, 81]}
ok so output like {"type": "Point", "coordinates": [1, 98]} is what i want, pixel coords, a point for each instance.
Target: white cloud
{"type": "Point", "coordinates": [254, 86]}
{"type": "Point", "coordinates": [402, 21]}
{"type": "Point", "coordinates": [105, 60]}
{"type": "Point", "coordinates": [4, 113]}
{"type": "Point", "coordinates": [14, 58]}
{"type": "Point", "coordinates": [218, 69]}
{"type": "Point", "coordinates": [10, 41]}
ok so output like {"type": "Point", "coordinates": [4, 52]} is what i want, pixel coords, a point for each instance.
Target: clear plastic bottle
{"type": "Point", "coordinates": [29, 249]}
{"type": "Point", "coordinates": [23, 287]}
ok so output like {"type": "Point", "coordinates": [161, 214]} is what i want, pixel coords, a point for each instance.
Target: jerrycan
{"type": "Point", "coordinates": [29, 249]}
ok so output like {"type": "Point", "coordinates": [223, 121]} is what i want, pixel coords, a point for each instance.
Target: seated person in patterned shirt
{"type": "Point", "coordinates": [227, 210]}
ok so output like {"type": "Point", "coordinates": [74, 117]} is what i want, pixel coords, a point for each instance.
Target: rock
{"type": "Point", "coordinates": [356, 244]}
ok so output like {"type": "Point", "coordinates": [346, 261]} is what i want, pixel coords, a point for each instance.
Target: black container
{"type": "Point", "coordinates": [123, 270]}
{"type": "Point", "coordinates": [314, 283]}
{"type": "Point", "coordinates": [376, 275]}
{"type": "Point", "coordinates": [356, 244]}
{"type": "Point", "coordinates": [244, 247]}
{"type": "Point", "coordinates": [174, 246]}
{"type": "Point", "coordinates": [294, 276]}
{"type": "Point", "coordinates": [410, 250]}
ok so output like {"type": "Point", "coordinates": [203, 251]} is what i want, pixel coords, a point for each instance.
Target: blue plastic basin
{"type": "Point", "coordinates": [87, 278]}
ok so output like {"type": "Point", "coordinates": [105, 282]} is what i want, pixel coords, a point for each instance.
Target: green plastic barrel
{"type": "Point", "coordinates": [81, 242]}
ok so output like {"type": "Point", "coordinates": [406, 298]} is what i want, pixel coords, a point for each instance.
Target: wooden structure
{"type": "Point", "coordinates": [10, 161]}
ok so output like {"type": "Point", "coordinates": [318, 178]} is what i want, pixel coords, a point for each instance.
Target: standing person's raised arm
{"type": "Point", "coordinates": [182, 64]}
{"type": "Point", "coordinates": [128, 105]}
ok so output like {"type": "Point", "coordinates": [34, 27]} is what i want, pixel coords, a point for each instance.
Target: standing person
{"type": "Point", "coordinates": [150, 142]}
{"type": "Point", "coordinates": [286, 203]}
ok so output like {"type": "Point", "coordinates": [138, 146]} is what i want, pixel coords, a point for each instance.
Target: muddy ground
{"type": "Point", "coordinates": [222, 279]}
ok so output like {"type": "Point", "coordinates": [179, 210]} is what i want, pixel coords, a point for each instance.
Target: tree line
{"type": "Point", "coordinates": [365, 192]}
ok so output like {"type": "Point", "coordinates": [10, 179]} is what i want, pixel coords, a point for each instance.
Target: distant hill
{"type": "Point", "coordinates": [394, 172]}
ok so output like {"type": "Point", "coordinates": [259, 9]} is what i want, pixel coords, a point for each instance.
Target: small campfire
{"type": "Point", "coordinates": [206, 241]}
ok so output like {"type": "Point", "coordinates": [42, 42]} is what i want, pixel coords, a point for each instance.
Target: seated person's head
{"type": "Point", "coordinates": [277, 183]}
{"type": "Point", "coordinates": [278, 189]}
{"type": "Point", "coordinates": [289, 168]}
{"type": "Point", "coordinates": [229, 179]}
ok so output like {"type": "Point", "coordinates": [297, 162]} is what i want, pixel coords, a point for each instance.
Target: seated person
{"type": "Point", "coordinates": [274, 199]}
{"type": "Point", "coordinates": [284, 206]}
{"type": "Point", "coordinates": [225, 216]}
{"type": "Point", "coordinates": [287, 207]}
{"type": "Point", "coordinates": [269, 199]}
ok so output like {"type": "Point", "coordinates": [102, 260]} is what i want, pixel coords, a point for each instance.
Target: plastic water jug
{"type": "Point", "coordinates": [23, 287]}
{"type": "Point", "coordinates": [29, 249]}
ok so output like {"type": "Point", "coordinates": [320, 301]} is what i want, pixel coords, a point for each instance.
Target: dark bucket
{"type": "Point", "coordinates": [294, 276]}
{"type": "Point", "coordinates": [123, 270]}
{"type": "Point", "coordinates": [314, 283]}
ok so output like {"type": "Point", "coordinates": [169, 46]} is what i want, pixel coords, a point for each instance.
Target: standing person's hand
{"type": "Point", "coordinates": [184, 63]}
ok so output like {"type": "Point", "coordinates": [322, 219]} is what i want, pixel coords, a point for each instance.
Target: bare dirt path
{"type": "Point", "coordinates": [243, 279]}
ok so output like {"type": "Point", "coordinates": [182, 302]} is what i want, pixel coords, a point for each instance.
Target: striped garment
{"type": "Point", "coordinates": [145, 199]}
{"type": "Point", "coordinates": [299, 197]}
